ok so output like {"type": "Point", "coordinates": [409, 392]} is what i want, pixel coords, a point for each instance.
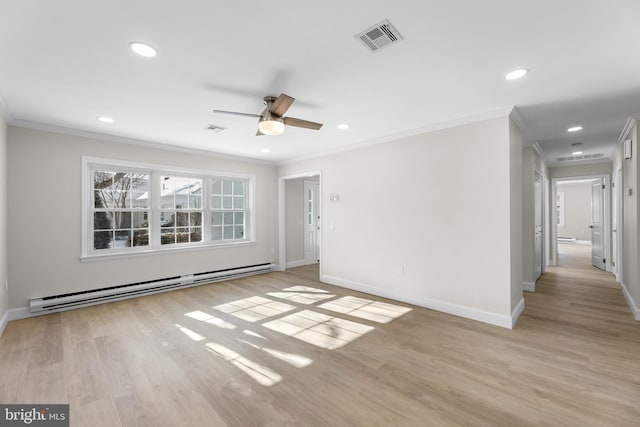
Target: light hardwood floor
{"type": "Point", "coordinates": [283, 349]}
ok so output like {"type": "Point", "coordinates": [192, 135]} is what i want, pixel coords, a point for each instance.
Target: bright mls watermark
{"type": "Point", "coordinates": [34, 415]}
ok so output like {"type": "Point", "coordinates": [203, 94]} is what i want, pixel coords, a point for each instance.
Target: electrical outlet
{"type": "Point", "coordinates": [273, 250]}
{"type": "Point", "coordinates": [402, 270]}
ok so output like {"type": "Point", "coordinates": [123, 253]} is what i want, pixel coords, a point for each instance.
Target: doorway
{"type": "Point", "coordinates": [581, 215]}
{"type": "Point", "coordinates": [299, 219]}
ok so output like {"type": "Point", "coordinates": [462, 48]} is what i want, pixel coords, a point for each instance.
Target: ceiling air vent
{"type": "Point", "coordinates": [582, 157]}
{"type": "Point", "coordinates": [379, 36]}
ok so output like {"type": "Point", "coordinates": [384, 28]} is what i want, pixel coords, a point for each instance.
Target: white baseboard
{"type": "Point", "coordinates": [528, 286]}
{"type": "Point", "coordinates": [632, 305]}
{"type": "Point", "coordinates": [299, 263]}
{"type": "Point", "coordinates": [13, 314]}
{"type": "Point", "coordinates": [432, 304]}
{"type": "Point", "coordinates": [517, 311]}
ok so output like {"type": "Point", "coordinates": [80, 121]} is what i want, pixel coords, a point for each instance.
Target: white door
{"type": "Point", "coordinates": [537, 222]}
{"type": "Point", "coordinates": [597, 216]}
{"type": "Point", "coordinates": [311, 222]}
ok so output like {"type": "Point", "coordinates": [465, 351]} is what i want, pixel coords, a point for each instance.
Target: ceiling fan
{"type": "Point", "coordinates": [272, 120]}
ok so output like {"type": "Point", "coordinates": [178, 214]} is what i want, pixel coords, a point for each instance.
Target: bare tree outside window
{"type": "Point", "coordinates": [121, 202]}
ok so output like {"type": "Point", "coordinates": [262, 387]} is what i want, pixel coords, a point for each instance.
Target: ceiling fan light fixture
{"type": "Point", "coordinates": [271, 126]}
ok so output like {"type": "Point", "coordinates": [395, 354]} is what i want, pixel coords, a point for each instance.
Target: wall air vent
{"type": "Point", "coordinates": [581, 157]}
{"type": "Point", "coordinates": [379, 36]}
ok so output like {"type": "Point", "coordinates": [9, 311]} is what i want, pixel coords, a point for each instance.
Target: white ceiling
{"type": "Point", "coordinates": [65, 62]}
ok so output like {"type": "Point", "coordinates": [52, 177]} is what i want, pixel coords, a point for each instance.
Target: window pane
{"type": "Point", "coordinates": [227, 187]}
{"type": "Point", "coordinates": [195, 202]}
{"type": "Point", "coordinates": [216, 233]}
{"type": "Point", "coordinates": [228, 232]}
{"type": "Point", "coordinates": [216, 187]}
{"type": "Point", "coordinates": [122, 239]}
{"type": "Point", "coordinates": [195, 219]}
{"type": "Point", "coordinates": [239, 232]}
{"type": "Point", "coordinates": [102, 221]}
{"type": "Point", "coordinates": [182, 219]}
{"type": "Point", "coordinates": [239, 218]}
{"type": "Point", "coordinates": [140, 220]}
{"type": "Point", "coordinates": [102, 239]}
{"type": "Point", "coordinates": [238, 188]}
{"type": "Point", "coordinates": [196, 234]}
{"type": "Point", "coordinates": [166, 219]}
{"type": "Point", "coordinates": [228, 218]}
{"type": "Point", "coordinates": [216, 218]}
{"type": "Point", "coordinates": [216, 202]}
{"type": "Point", "coordinates": [102, 179]}
{"type": "Point", "coordinates": [227, 202]}
{"type": "Point", "coordinates": [122, 219]}
{"type": "Point", "coordinates": [182, 235]}
{"type": "Point", "coordinates": [141, 238]}
{"type": "Point", "coordinates": [167, 236]}
{"type": "Point", "coordinates": [238, 202]}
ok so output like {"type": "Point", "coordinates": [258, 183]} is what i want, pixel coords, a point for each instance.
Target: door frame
{"type": "Point", "coordinates": [606, 228]}
{"type": "Point", "coordinates": [540, 209]}
{"type": "Point", "coordinates": [316, 219]}
{"type": "Point", "coordinates": [282, 237]}
{"type": "Point", "coordinates": [619, 192]}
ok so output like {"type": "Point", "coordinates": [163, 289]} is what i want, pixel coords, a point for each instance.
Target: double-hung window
{"type": "Point", "coordinates": [131, 208]}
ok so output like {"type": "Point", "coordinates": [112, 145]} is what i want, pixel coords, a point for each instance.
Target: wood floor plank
{"type": "Point", "coordinates": [256, 352]}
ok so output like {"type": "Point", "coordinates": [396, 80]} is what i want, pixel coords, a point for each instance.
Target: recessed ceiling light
{"type": "Point", "coordinates": [574, 129]}
{"type": "Point", "coordinates": [266, 150]}
{"type": "Point", "coordinates": [516, 74]}
{"type": "Point", "coordinates": [143, 49]}
{"type": "Point", "coordinates": [576, 153]}
{"type": "Point", "coordinates": [105, 119]}
{"type": "Point", "coordinates": [343, 126]}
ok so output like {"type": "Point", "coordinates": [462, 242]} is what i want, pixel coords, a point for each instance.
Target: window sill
{"type": "Point", "coordinates": [167, 250]}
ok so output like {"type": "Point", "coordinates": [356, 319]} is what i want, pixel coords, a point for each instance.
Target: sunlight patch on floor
{"type": "Point", "coordinates": [191, 334]}
{"type": "Point", "coordinates": [319, 329]}
{"type": "Point", "coordinates": [292, 359]}
{"type": "Point", "coordinates": [363, 308]}
{"type": "Point", "coordinates": [204, 317]}
{"type": "Point", "coordinates": [302, 294]}
{"type": "Point", "coordinates": [254, 308]}
{"type": "Point", "coordinates": [259, 373]}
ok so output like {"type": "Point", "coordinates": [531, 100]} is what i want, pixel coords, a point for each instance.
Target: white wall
{"type": "Point", "coordinates": [631, 243]}
{"type": "Point", "coordinates": [426, 219]}
{"type": "Point", "coordinates": [45, 234]}
{"type": "Point", "coordinates": [577, 210]}
{"type": "Point", "coordinates": [4, 295]}
{"type": "Point", "coordinates": [515, 217]}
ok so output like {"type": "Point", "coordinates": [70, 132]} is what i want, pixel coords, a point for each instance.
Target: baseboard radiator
{"type": "Point", "coordinates": [98, 296]}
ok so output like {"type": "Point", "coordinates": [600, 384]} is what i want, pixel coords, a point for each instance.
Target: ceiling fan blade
{"type": "Point", "coordinates": [281, 104]}
{"type": "Point", "coordinates": [237, 114]}
{"type": "Point", "coordinates": [291, 121]}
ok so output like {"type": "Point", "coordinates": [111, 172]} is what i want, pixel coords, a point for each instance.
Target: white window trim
{"type": "Point", "coordinates": [87, 252]}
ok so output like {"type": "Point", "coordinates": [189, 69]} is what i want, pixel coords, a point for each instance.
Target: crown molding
{"type": "Point", "coordinates": [131, 141]}
{"type": "Point", "coordinates": [631, 122]}
{"type": "Point", "coordinates": [481, 117]}
{"type": "Point", "coordinates": [517, 118]}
